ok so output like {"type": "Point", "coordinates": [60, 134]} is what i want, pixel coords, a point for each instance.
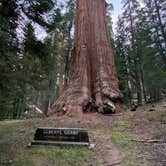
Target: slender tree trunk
{"type": "Point", "coordinates": [128, 85]}
{"type": "Point", "coordinates": [142, 76]}
{"type": "Point", "coordinates": [136, 60]}
{"type": "Point", "coordinates": [160, 21]}
{"type": "Point", "coordinates": [143, 86]}
{"type": "Point", "coordinates": [128, 78]}
{"type": "Point", "coordinates": [51, 89]}
{"type": "Point", "coordinates": [67, 57]}
{"type": "Point", "coordinates": [92, 83]}
{"type": "Point", "coordinates": [158, 42]}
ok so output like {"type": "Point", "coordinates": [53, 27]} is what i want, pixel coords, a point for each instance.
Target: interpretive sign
{"type": "Point", "coordinates": [58, 136]}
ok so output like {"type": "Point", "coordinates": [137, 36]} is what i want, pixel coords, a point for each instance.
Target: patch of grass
{"type": "Point", "coordinates": [158, 116]}
{"type": "Point", "coordinates": [92, 135]}
{"type": "Point", "coordinates": [119, 137]}
{"type": "Point", "coordinates": [54, 156]}
{"type": "Point", "coordinates": [156, 119]}
{"type": "Point", "coordinates": [16, 135]}
{"type": "Point", "coordinates": [120, 126]}
{"type": "Point", "coordinates": [11, 122]}
{"type": "Point", "coordinates": [146, 107]}
{"type": "Point", "coordinates": [161, 116]}
{"type": "Point", "coordinates": [133, 161]}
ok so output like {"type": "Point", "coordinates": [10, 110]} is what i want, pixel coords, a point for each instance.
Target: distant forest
{"type": "Point", "coordinates": [33, 70]}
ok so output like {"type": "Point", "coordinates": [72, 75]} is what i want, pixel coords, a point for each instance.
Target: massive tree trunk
{"type": "Point", "coordinates": [92, 83]}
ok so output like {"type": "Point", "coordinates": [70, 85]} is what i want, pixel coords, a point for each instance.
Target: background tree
{"type": "Point", "coordinates": [123, 61]}
{"type": "Point", "coordinates": [23, 58]}
{"type": "Point", "coordinates": [145, 61]}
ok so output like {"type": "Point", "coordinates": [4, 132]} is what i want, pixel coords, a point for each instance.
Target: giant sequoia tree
{"type": "Point", "coordinates": [92, 84]}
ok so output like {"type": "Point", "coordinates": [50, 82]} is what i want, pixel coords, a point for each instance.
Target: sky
{"type": "Point", "coordinates": [117, 10]}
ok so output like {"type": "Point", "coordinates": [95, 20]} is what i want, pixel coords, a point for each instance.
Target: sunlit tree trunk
{"type": "Point", "coordinates": [92, 83]}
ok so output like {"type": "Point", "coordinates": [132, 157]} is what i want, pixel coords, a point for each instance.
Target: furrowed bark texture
{"type": "Point", "coordinates": [92, 83]}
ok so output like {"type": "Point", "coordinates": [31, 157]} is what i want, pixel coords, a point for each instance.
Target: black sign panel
{"type": "Point", "coordinates": [61, 134]}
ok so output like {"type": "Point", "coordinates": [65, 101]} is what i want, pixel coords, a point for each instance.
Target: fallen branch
{"type": "Point", "coordinates": [162, 122]}
{"type": "Point", "coordinates": [148, 141]}
{"type": "Point", "coordinates": [118, 114]}
{"type": "Point", "coordinates": [115, 163]}
{"type": "Point", "coordinates": [138, 157]}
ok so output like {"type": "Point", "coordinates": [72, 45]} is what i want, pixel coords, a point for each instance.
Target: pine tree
{"type": "Point", "coordinates": [122, 60]}
{"type": "Point", "coordinates": [155, 12]}
{"type": "Point", "coordinates": [20, 70]}
{"type": "Point", "coordinates": [149, 49]}
{"type": "Point", "coordinates": [8, 55]}
{"type": "Point", "coordinates": [130, 16]}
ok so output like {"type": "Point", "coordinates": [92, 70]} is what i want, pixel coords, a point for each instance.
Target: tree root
{"type": "Point", "coordinates": [87, 106]}
{"type": "Point", "coordinates": [78, 103]}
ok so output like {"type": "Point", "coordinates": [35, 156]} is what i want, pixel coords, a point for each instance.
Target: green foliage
{"type": "Point", "coordinates": [140, 51]}
{"type": "Point", "coordinates": [8, 50]}
{"type": "Point", "coordinates": [30, 68]}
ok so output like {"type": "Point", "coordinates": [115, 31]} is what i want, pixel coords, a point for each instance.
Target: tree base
{"type": "Point", "coordinates": [78, 108]}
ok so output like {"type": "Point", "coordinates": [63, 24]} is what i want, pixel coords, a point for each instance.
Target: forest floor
{"type": "Point", "coordinates": [124, 139]}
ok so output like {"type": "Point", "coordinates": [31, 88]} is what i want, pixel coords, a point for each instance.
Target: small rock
{"type": "Point", "coordinates": [92, 146]}
{"type": "Point", "coordinates": [152, 110]}
{"type": "Point", "coordinates": [164, 106]}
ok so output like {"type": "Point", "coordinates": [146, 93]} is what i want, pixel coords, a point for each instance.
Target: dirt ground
{"type": "Point", "coordinates": [141, 140]}
{"type": "Point", "coordinates": [123, 139]}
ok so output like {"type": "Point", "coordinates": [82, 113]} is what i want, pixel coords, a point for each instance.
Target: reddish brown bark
{"type": "Point", "coordinates": [92, 83]}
